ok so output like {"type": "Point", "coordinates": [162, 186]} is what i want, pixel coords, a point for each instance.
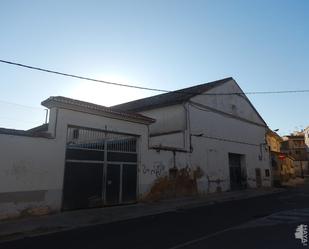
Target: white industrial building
{"type": "Point", "coordinates": [89, 155]}
{"type": "Point", "coordinates": [210, 127]}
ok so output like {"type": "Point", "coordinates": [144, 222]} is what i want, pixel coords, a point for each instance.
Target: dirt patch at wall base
{"type": "Point", "coordinates": [179, 183]}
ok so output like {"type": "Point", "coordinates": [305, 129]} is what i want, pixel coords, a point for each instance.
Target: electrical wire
{"type": "Point", "coordinates": [146, 88]}
{"type": "Point", "coordinates": [82, 77]}
{"type": "Point", "coordinates": [21, 105]}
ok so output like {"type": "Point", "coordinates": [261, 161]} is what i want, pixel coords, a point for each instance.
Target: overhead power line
{"type": "Point", "coordinates": [278, 92]}
{"type": "Point", "coordinates": [145, 88]}
{"type": "Point", "coordinates": [81, 77]}
{"type": "Point", "coordinates": [21, 105]}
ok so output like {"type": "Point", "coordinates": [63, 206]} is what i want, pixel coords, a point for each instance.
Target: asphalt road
{"type": "Point", "coordinates": [261, 222]}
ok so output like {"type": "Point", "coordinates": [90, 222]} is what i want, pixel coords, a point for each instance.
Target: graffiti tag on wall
{"type": "Point", "coordinates": [157, 169]}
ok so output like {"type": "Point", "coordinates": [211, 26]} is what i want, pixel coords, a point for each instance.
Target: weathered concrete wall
{"type": "Point", "coordinates": [234, 128]}
{"type": "Point", "coordinates": [236, 105]}
{"type": "Point", "coordinates": [166, 119]}
{"type": "Point", "coordinates": [32, 168]}
{"type": "Point", "coordinates": [175, 140]}
{"type": "Point", "coordinates": [156, 168]}
{"type": "Point", "coordinates": [31, 174]}
{"type": "Point", "coordinates": [273, 143]}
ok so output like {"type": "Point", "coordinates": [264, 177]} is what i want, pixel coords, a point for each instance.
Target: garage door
{"type": "Point", "coordinates": [100, 169]}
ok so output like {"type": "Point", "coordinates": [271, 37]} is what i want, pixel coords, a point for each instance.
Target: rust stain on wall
{"type": "Point", "coordinates": [179, 182]}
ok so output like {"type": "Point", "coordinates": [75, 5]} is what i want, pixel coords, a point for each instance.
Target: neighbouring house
{"type": "Point", "coordinates": [197, 140]}
{"type": "Point", "coordinates": [282, 164]}
{"type": "Point", "coordinates": [294, 145]}
{"type": "Point", "coordinates": [210, 130]}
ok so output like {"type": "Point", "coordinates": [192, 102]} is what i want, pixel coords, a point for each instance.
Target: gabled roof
{"type": "Point", "coordinates": [82, 106]}
{"type": "Point", "coordinates": [171, 98]}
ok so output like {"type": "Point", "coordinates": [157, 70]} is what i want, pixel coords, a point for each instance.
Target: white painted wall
{"type": "Point", "coordinates": [172, 122]}
{"type": "Point", "coordinates": [168, 119]}
{"type": "Point", "coordinates": [232, 104]}
{"type": "Point", "coordinates": [235, 121]}
{"type": "Point", "coordinates": [175, 140]}
{"type": "Point", "coordinates": [30, 164]}
{"type": "Point", "coordinates": [157, 165]}
{"type": "Point", "coordinates": [211, 154]}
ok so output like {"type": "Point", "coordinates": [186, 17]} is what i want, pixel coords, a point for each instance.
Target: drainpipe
{"type": "Point", "coordinates": [173, 171]}
{"type": "Point", "coordinates": [148, 137]}
{"type": "Point", "coordinates": [187, 128]}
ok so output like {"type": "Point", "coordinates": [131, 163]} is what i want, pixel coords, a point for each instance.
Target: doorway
{"type": "Point", "coordinates": [258, 177]}
{"type": "Point", "coordinates": [237, 171]}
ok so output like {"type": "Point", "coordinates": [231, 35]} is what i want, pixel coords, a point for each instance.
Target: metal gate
{"type": "Point", "coordinates": [100, 169]}
{"type": "Point", "coordinates": [235, 171]}
{"type": "Point", "coordinates": [258, 177]}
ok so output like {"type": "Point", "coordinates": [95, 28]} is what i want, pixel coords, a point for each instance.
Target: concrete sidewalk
{"type": "Point", "coordinates": [33, 226]}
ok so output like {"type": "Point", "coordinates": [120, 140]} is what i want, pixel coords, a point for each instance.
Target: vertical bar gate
{"type": "Point", "coordinates": [100, 169]}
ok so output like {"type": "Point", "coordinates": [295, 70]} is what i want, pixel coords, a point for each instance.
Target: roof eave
{"type": "Point", "coordinates": [52, 102]}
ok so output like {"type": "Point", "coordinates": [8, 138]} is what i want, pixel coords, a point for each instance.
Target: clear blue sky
{"type": "Point", "coordinates": [166, 44]}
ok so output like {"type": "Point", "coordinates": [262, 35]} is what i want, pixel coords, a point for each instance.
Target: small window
{"type": "Point", "coordinates": [267, 172]}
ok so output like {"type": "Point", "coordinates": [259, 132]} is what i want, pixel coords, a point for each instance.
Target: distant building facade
{"type": "Point", "coordinates": [282, 164]}
{"type": "Point", "coordinates": [294, 145]}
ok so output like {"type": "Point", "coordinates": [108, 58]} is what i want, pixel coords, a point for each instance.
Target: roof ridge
{"type": "Point", "coordinates": [203, 84]}
{"type": "Point", "coordinates": [169, 98]}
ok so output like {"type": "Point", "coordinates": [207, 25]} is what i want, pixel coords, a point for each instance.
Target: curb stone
{"type": "Point", "coordinates": [45, 230]}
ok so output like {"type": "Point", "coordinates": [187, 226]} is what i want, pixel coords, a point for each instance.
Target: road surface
{"type": "Point", "coordinates": [261, 222]}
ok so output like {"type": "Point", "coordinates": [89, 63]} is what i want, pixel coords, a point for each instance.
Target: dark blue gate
{"type": "Point", "coordinates": [100, 169]}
